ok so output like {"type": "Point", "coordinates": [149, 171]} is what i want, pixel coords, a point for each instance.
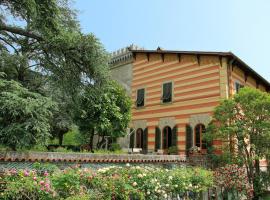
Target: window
{"type": "Point", "coordinates": [199, 141]}
{"type": "Point", "coordinates": [167, 92]}
{"type": "Point", "coordinates": [140, 98]}
{"type": "Point", "coordinates": [238, 86]}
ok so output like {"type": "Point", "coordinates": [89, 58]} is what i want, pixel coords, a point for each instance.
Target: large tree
{"type": "Point", "coordinates": [24, 116]}
{"type": "Point", "coordinates": [104, 112]}
{"type": "Point", "coordinates": [244, 122]}
{"type": "Point", "coordinates": [44, 36]}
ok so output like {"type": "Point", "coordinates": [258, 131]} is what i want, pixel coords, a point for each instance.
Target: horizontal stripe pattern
{"type": "Point", "coordinates": [196, 90]}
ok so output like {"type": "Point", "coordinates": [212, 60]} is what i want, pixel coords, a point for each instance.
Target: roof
{"type": "Point", "coordinates": [247, 69]}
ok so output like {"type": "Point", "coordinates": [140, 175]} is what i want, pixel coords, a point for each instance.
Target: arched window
{"type": "Point", "coordinates": [167, 137]}
{"type": "Point", "coordinates": [199, 141]}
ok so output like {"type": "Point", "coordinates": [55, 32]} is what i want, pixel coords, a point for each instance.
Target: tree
{"type": "Point", "coordinates": [62, 117]}
{"type": "Point", "coordinates": [46, 38]}
{"type": "Point", "coordinates": [105, 112]}
{"type": "Point", "coordinates": [244, 121]}
{"type": "Point", "coordinates": [42, 48]}
{"type": "Point", "coordinates": [24, 116]}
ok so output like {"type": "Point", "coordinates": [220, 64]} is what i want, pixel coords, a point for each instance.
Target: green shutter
{"type": "Point", "coordinates": [157, 139]}
{"type": "Point", "coordinates": [145, 140]}
{"type": "Point", "coordinates": [174, 136]}
{"type": "Point", "coordinates": [188, 137]}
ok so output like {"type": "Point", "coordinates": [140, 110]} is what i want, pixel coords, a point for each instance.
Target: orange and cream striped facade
{"type": "Point", "coordinates": [199, 81]}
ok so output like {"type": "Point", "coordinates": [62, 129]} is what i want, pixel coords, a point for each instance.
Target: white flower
{"type": "Point", "coordinates": [170, 177]}
{"type": "Point", "coordinates": [134, 184]}
{"type": "Point", "coordinates": [165, 195]}
{"type": "Point", "coordinates": [148, 192]}
{"type": "Point", "coordinates": [158, 191]}
{"type": "Point", "coordinates": [144, 174]}
{"type": "Point", "coordinates": [166, 170]}
{"type": "Point", "coordinates": [167, 185]}
{"type": "Point", "coordinates": [140, 175]}
{"type": "Point", "coordinates": [176, 186]}
{"type": "Point", "coordinates": [190, 185]}
{"type": "Point", "coordinates": [128, 165]}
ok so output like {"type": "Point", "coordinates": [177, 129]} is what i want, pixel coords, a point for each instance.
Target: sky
{"type": "Point", "coordinates": [239, 26]}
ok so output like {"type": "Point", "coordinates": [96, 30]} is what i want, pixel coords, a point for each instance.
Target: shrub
{"type": "Point", "coordinates": [130, 182]}
{"type": "Point", "coordinates": [62, 149]}
{"type": "Point", "coordinates": [115, 147]}
{"type": "Point", "coordinates": [233, 179]}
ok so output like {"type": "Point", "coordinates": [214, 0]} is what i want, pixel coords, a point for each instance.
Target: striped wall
{"type": "Point", "coordinates": [198, 85]}
{"type": "Point", "coordinates": [236, 74]}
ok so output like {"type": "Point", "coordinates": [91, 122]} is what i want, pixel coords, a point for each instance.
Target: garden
{"type": "Point", "coordinates": [124, 182]}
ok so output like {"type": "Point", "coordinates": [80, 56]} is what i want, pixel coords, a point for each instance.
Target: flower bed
{"type": "Point", "coordinates": [129, 182]}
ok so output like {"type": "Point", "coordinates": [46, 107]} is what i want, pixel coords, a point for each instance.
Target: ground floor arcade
{"type": "Point", "coordinates": [169, 135]}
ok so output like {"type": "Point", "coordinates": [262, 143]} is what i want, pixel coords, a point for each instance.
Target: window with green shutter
{"type": "Point", "coordinates": [238, 86]}
{"type": "Point", "coordinates": [140, 97]}
{"type": "Point", "coordinates": [167, 92]}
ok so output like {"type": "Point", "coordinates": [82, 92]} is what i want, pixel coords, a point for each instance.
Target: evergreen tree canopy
{"type": "Point", "coordinates": [24, 116]}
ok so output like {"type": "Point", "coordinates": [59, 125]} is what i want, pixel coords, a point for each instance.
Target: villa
{"type": "Point", "coordinates": [174, 94]}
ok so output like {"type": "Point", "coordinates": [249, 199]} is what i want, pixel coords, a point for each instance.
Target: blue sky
{"type": "Point", "coordinates": [240, 26]}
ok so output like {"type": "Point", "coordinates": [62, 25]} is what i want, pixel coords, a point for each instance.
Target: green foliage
{"type": "Point", "coordinates": [62, 149]}
{"type": "Point", "coordinates": [73, 137]}
{"type": "Point", "coordinates": [233, 179]}
{"type": "Point", "coordinates": [67, 182]}
{"type": "Point", "coordinates": [103, 151]}
{"type": "Point", "coordinates": [173, 150]}
{"type": "Point", "coordinates": [42, 167]}
{"type": "Point", "coordinates": [130, 182]}
{"type": "Point", "coordinates": [24, 116]}
{"type": "Point", "coordinates": [245, 121]}
{"type": "Point", "coordinates": [115, 147]}
{"type": "Point", "coordinates": [106, 112]}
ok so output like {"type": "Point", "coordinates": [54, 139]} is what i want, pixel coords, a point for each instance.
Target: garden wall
{"type": "Point", "coordinates": [11, 158]}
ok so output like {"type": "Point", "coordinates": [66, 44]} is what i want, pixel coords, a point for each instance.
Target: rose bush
{"type": "Point", "coordinates": [233, 180]}
{"type": "Point", "coordinates": [127, 182]}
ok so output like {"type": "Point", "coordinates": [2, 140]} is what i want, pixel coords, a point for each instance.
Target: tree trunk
{"type": "Point", "coordinates": [256, 180]}
{"type": "Point", "coordinates": [60, 139]}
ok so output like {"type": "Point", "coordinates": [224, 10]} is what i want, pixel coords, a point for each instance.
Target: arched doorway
{"type": "Point", "coordinates": [167, 137]}
{"type": "Point", "coordinates": [198, 140]}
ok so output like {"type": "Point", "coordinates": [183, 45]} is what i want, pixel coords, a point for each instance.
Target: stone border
{"type": "Point", "coordinates": [12, 156]}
